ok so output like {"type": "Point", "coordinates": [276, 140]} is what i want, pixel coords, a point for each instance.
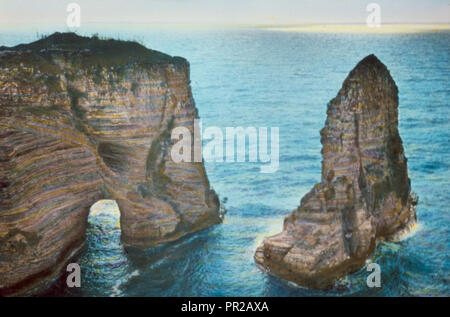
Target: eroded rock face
{"type": "Point", "coordinates": [365, 191]}
{"type": "Point", "coordinates": [83, 119]}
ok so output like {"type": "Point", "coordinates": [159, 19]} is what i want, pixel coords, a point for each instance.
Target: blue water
{"type": "Point", "coordinates": [264, 78]}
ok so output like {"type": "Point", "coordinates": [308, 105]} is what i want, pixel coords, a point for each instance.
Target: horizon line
{"type": "Point", "coordinates": [384, 28]}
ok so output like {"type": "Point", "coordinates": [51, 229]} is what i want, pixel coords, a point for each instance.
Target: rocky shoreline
{"type": "Point", "coordinates": [84, 119]}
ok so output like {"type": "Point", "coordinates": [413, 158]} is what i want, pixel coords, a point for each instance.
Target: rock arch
{"type": "Point", "coordinates": [82, 120]}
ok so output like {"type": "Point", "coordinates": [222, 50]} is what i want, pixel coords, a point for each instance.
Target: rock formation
{"type": "Point", "coordinates": [364, 194]}
{"type": "Point", "coordinates": [84, 119]}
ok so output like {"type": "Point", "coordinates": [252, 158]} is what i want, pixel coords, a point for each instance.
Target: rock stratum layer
{"type": "Point", "coordinates": [84, 119]}
{"type": "Point", "coordinates": [364, 194]}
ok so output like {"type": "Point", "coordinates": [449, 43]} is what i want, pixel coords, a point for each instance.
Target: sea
{"type": "Point", "coordinates": [256, 77]}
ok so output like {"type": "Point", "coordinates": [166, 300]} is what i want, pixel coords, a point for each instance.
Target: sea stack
{"type": "Point", "coordinates": [364, 195]}
{"type": "Point", "coordinates": [84, 119]}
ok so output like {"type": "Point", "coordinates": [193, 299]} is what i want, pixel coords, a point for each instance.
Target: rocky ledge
{"type": "Point", "coordinates": [84, 119]}
{"type": "Point", "coordinates": [364, 195]}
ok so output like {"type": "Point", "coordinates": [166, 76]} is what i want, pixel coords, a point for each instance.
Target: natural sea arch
{"type": "Point", "coordinates": [103, 219]}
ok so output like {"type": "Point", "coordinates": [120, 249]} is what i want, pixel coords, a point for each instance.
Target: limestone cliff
{"type": "Point", "coordinates": [83, 119]}
{"type": "Point", "coordinates": [364, 194]}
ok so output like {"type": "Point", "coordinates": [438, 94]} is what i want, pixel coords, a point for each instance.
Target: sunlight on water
{"type": "Point", "coordinates": [275, 226]}
{"type": "Point", "coordinates": [412, 230]}
{"type": "Point", "coordinates": [105, 206]}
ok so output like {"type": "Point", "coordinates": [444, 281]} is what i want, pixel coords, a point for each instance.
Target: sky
{"type": "Point", "coordinates": [227, 12]}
